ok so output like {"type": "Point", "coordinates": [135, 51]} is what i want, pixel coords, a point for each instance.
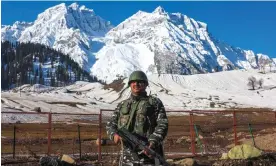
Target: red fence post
{"type": "Point", "coordinates": [235, 127]}
{"type": "Point", "coordinates": [13, 145]}
{"type": "Point", "coordinates": [49, 132]}
{"type": "Point", "coordinates": [192, 134]}
{"type": "Point", "coordinates": [79, 140]}
{"type": "Point", "coordinates": [100, 137]}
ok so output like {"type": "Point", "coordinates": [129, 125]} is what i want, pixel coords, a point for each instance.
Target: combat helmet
{"type": "Point", "coordinates": [138, 75]}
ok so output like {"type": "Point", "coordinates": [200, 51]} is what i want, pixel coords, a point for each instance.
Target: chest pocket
{"type": "Point", "coordinates": [124, 114]}
{"type": "Point", "coordinates": [142, 121]}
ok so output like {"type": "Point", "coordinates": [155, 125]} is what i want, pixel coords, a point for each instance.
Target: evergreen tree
{"type": "Point", "coordinates": [41, 80]}
{"type": "Point", "coordinates": [36, 76]}
{"type": "Point", "coordinates": [3, 80]}
{"type": "Point", "coordinates": [52, 79]}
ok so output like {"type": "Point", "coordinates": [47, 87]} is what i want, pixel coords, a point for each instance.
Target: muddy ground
{"type": "Point", "coordinates": [214, 134]}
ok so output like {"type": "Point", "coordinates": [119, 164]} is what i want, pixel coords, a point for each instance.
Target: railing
{"type": "Point", "coordinates": [209, 132]}
{"type": "Point", "coordinates": [196, 132]}
{"type": "Point", "coordinates": [30, 129]}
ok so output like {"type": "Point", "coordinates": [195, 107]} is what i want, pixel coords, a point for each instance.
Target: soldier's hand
{"type": "Point", "coordinates": [151, 145]}
{"type": "Point", "coordinates": [116, 138]}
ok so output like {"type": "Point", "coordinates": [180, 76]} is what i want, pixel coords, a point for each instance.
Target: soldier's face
{"type": "Point", "coordinates": [137, 87]}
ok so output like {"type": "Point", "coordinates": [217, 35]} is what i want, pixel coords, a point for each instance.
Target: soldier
{"type": "Point", "coordinates": [143, 116]}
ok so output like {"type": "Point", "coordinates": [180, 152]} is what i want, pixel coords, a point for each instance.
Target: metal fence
{"type": "Point", "coordinates": [201, 132]}
{"type": "Point", "coordinates": [26, 134]}
{"type": "Point", "coordinates": [206, 132]}
{"type": "Point", "coordinates": [196, 132]}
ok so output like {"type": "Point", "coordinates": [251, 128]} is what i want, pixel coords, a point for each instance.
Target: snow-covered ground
{"type": "Point", "coordinates": [222, 90]}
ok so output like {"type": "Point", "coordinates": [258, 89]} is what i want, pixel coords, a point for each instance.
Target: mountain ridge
{"type": "Point", "coordinates": [157, 42]}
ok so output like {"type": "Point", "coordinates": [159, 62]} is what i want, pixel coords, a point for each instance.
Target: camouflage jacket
{"type": "Point", "coordinates": [149, 118]}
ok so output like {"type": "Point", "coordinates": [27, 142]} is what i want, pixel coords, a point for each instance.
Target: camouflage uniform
{"type": "Point", "coordinates": [145, 117]}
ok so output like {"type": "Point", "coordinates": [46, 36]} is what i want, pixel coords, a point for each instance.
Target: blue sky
{"type": "Point", "coordinates": [248, 24]}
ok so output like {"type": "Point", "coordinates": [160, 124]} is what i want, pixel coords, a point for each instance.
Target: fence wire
{"type": "Point", "coordinates": [196, 132]}
{"type": "Point", "coordinates": [24, 135]}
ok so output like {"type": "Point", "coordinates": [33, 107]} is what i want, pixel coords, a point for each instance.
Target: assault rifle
{"type": "Point", "coordinates": [140, 144]}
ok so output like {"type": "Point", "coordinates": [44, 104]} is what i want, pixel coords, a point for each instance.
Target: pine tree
{"type": "Point", "coordinates": [52, 79]}
{"type": "Point", "coordinates": [36, 76]}
{"type": "Point", "coordinates": [41, 75]}
{"type": "Point", "coordinates": [3, 80]}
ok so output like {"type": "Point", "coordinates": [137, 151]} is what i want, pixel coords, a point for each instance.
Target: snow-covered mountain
{"type": "Point", "coordinates": [69, 29]}
{"type": "Point", "coordinates": [274, 59]}
{"type": "Point", "coordinates": [161, 42]}
{"type": "Point", "coordinates": [157, 42]}
{"type": "Point", "coordinates": [13, 33]}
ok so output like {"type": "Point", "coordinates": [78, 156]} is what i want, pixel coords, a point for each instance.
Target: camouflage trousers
{"type": "Point", "coordinates": [130, 158]}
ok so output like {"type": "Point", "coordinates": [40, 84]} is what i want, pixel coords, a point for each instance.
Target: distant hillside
{"type": "Point", "coordinates": [28, 63]}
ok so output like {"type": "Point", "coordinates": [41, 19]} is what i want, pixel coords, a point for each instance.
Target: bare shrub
{"type": "Point", "coordinates": [263, 63]}
{"type": "Point", "coordinates": [252, 82]}
{"type": "Point", "coordinates": [261, 82]}
{"type": "Point", "coordinates": [212, 104]}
